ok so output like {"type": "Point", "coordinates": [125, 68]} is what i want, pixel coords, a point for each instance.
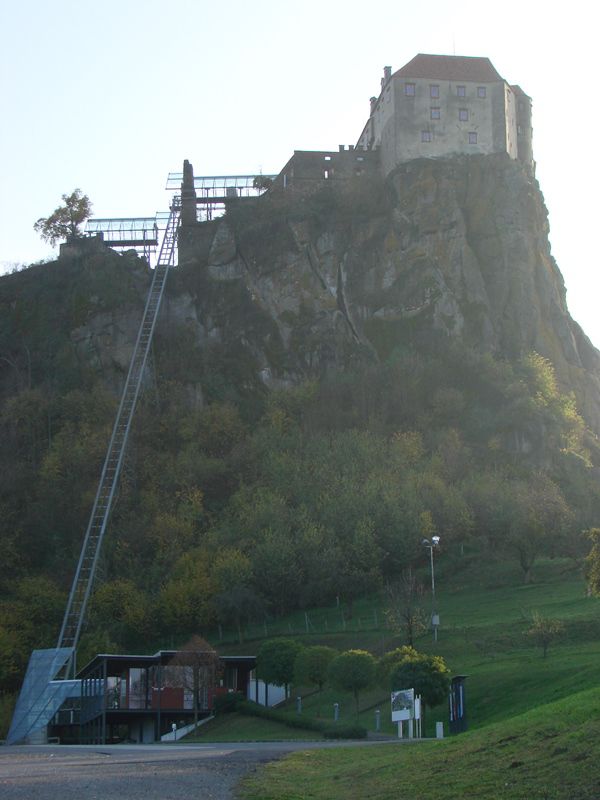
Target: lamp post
{"type": "Point", "coordinates": [435, 617]}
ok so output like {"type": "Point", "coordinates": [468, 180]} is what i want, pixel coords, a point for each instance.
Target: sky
{"type": "Point", "coordinates": [111, 96]}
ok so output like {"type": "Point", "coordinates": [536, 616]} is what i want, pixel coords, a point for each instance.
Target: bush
{"type": "Point", "coordinates": [345, 732]}
{"type": "Point", "coordinates": [302, 723]}
{"type": "Point", "coordinates": [226, 703]}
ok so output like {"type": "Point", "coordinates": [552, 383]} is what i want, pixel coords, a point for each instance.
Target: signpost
{"type": "Point", "coordinates": [406, 707]}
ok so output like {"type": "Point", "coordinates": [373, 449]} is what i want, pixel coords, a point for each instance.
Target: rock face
{"type": "Point", "coordinates": [295, 287]}
{"type": "Point", "coordinates": [461, 250]}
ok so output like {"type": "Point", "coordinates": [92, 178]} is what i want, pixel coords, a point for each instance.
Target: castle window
{"type": "Point", "coordinates": [327, 158]}
{"type": "Point", "coordinates": [519, 129]}
{"type": "Point", "coordinates": [472, 137]}
{"type": "Point", "coordinates": [461, 91]}
{"type": "Point", "coordinates": [409, 89]}
{"type": "Point", "coordinates": [435, 113]}
{"type": "Point", "coordinates": [434, 90]}
{"type": "Point", "coordinates": [326, 172]}
{"type": "Point", "coordinates": [463, 114]}
{"type": "Point", "coordinates": [481, 92]}
{"type": "Point", "coordinates": [426, 136]}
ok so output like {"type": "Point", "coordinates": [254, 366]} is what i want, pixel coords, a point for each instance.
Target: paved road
{"type": "Point", "coordinates": [135, 772]}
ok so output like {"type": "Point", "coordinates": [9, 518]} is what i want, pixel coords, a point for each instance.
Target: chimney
{"type": "Point", "coordinates": [342, 147]}
{"type": "Point", "coordinates": [373, 101]}
{"type": "Point", "coordinates": [387, 74]}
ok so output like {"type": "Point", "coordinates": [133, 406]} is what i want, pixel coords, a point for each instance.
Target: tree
{"type": "Point", "coordinates": [541, 516]}
{"type": "Point", "coordinates": [545, 630]}
{"type": "Point", "coordinates": [592, 563]}
{"type": "Point", "coordinates": [427, 675]}
{"type": "Point", "coordinates": [312, 665]}
{"type": "Point", "coordinates": [196, 666]}
{"type": "Point", "coordinates": [235, 601]}
{"type": "Point", "coordinates": [390, 661]}
{"type": "Point", "coordinates": [275, 661]}
{"type": "Point", "coordinates": [64, 222]}
{"type": "Point", "coordinates": [352, 671]}
{"type": "Point", "coordinates": [404, 612]}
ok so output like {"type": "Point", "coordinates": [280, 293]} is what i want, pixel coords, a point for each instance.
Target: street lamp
{"type": "Point", "coordinates": [435, 617]}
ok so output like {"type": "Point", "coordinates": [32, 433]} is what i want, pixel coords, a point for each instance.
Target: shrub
{"type": "Point", "coordinates": [225, 703]}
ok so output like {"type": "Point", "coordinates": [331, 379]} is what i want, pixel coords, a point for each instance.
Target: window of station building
{"type": "Point", "coordinates": [463, 114]}
{"type": "Point", "coordinates": [461, 91]}
{"type": "Point", "coordinates": [481, 91]}
{"type": "Point", "coordinates": [434, 90]}
{"type": "Point", "coordinates": [409, 89]}
{"type": "Point", "coordinates": [435, 113]}
{"type": "Point", "coordinates": [426, 136]}
{"type": "Point", "coordinates": [327, 158]}
{"type": "Point", "coordinates": [472, 137]}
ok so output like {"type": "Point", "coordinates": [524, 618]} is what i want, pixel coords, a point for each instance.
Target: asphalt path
{"type": "Point", "coordinates": [137, 772]}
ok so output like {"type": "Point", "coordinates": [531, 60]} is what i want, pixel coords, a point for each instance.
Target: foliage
{"type": "Point", "coordinates": [254, 504]}
{"type": "Point", "coordinates": [228, 703]}
{"type": "Point", "coordinates": [275, 661]}
{"type": "Point", "coordinates": [390, 660]}
{"type": "Point", "coordinates": [352, 671]}
{"type": "Point", "coordinates": [312, 665]}
{"type": "Point", "coordinates": [592, 563]}
{"type": "Point", "coordinates": [65, 221]}
{"type": "Point", "coordinates": [428, 675]}
{"type": "Point", "coordinates": [544, 631]}
{"type": "Point", "coordinates": [303, 722]}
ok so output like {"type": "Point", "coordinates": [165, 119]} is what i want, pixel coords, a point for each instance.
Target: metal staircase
{"type": "Point", "coordinates": [84, 576]}
{"type": "Point", "coordinates": [41, 696]}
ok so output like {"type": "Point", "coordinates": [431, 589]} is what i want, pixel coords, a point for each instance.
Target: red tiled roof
{"type": "Point", "coordinates": [450, 68]}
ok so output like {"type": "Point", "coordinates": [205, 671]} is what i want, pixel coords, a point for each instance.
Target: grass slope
{"type": "Point", "coordinates": [236, 727]}
{"type": "Point", "coordinates": [549, 753]}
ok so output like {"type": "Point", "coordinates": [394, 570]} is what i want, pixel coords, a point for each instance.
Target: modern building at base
{"type": "Point", "coordinates": [139, 698]}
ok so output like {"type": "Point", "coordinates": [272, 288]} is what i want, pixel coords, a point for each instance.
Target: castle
{"type": "Point", "coordinates": [434, 106]}
{"type": "Point", "coordinates": [446, 105]}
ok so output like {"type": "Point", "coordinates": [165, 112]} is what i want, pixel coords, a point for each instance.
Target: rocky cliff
{"type": "Point", "coordinates": [293, 287]}
{"type": "Point", "coordinates": [452, 247]}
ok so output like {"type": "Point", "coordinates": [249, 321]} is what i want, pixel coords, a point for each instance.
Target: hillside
{"type": "Point", "coordinates": [549, 753]}
{"type": "Point", "coordinates": [334, 376]}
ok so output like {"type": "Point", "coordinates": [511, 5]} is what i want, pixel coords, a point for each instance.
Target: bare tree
{"type": "Point", "coordinates": [404, 612]}
{"type": "Point", "coordinates": [195, 668]}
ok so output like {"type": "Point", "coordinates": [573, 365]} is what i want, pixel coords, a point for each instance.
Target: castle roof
{"type": "Point", "coordinates": [450, 68]}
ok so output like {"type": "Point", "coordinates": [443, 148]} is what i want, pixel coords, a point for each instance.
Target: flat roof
{"type": "Point", "coordinates": [125, 659]}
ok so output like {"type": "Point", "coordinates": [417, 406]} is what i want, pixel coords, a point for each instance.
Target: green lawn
{"type": "Point", "coordinates": [549, 753]}
{"type": "Point", "coordinates": [485, 618]}
{"type": "Point", "coordinates": [532, 721]}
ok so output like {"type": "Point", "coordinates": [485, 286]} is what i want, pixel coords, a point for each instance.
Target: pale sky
{"type": "Point", "coordinates": [111, 95]}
